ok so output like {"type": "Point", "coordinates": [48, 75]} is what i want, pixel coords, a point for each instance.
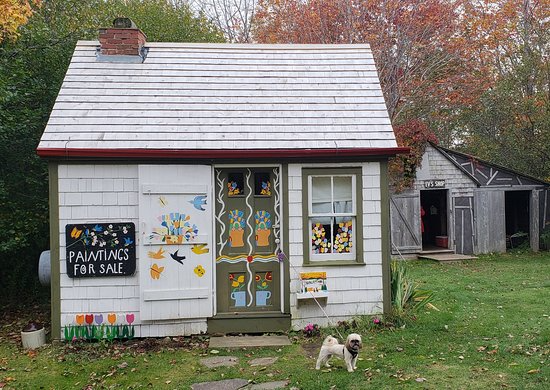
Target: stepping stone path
{"type": "Point", "coordinates": [227, 384]}
{"type": "Point", "coordinates": [235, 384]}
{"type": "Point", "coordinates": [220, 361]}
{"type": "Point", "coordinates": [268, 385]}
{"type": "Point", "coordinates": [265, 361]}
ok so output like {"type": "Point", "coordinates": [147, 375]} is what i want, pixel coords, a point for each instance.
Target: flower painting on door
{"type": "Point", "coordinates": [236, 228]}
{"type": "Point", "coordinates": [238, 294]}
{"type": "Point", "coordinates": [248, 224]}
{"type": "Point", "coordinates": [263, 287]}
{"type": "Point", "coordinates": [175, 228]}
{"type": "Point", "coordinates": [263, 227]}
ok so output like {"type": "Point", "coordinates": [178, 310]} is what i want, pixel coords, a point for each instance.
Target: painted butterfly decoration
{"type": "Point", "coordinates": [156, 271]}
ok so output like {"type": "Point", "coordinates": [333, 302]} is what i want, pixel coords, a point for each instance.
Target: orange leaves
{"type": "Point", "coordinates": [13, 13]}
{"type": "Point", "coordinates": [413, 134]}
{"type": "Point", "coordinates": [412, 41]}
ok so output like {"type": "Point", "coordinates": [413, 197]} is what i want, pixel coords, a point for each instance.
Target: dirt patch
{"type": "Point", "coordinates": [311, 350]}
{"type": "Point", "coordinates": [14, 319]}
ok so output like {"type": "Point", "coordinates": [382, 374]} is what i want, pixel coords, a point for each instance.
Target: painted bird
{"type": "Point", "coordinates": [198, 202]}
{"type": "Point", "coordinates": [156, 255]}
{"type": "Point", "coordinates": [177, 257]}
{"type": "Point", "coordinates": [200, 249]}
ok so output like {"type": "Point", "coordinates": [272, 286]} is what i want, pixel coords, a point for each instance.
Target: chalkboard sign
{"type": "Point", "coordinates": [103, 249]}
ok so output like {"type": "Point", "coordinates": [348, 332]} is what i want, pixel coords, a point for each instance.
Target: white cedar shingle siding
{"type": "Point", "coordinates": [212, 96]}
{"type": "Point", "coordinates": [353, 290]}
{"type": "Point", "coordinates": [86, 195]}
{"type": "Point", "coordinates": [436, 166]}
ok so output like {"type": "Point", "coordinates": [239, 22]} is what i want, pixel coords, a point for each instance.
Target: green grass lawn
{"type": "Point", "coordinates": [492, 331]}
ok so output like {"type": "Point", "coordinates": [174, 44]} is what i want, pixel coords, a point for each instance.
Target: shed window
{"type": "Point", "coordinates": [333, 228]}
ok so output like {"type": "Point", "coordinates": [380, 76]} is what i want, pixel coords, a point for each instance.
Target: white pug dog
{"type": "Point", "coordinates": [348, 351]}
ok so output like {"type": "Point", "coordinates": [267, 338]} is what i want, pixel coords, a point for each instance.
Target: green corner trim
{"type": "Point", "coordinates": [286, 236]}
{"type": "Point", "coordinates": [385, 222]}
{"type": "Point", "coordinates": [55, 278]}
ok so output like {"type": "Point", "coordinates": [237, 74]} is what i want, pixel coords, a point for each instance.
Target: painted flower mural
{"type": "Point", "coordinates": [233, 188]}
{"type": "Point", "coordinates": [101, 236]}
{"type": "Point", "coordinates": [263, 227]}
{"type": "Point", "coordinates": [236, 228]}
{"type": "Point", "coordinates": [94, 327]}
{"type": "Point", "coordinates": [237, 286]}
{"type": "Point", "coordinates": [176, 228]}
{"type": "Point", "coordinates": [266, 188]}
{"type": "Point", "coordinates": [263, 288]}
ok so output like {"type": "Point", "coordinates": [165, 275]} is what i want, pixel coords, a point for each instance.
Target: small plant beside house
{"type": "Point", "coordinates": [407, 298]}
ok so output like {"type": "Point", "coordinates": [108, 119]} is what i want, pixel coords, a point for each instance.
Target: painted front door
{"type": "Point", "coordinates": [248, 276]}
{"type": "Point", "coordinates": [175, 256]}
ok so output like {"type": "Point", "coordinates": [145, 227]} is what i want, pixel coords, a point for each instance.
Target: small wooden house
{"type": "Point", "coordinates": [216, 188]}
{"type": "Point", "coordinates": [467, 205]}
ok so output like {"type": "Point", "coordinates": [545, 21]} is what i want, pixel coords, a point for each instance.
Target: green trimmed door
{"type": "Point", "coordinates": [248, 272]}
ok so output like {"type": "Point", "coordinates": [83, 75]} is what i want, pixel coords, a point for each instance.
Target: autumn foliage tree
{"type": "Point", "coordinates": [415, 135]}
{"type": "Point", "coordinates": [413, 42]}
{"type": "Point", "coordinates": [476, 73]}
{"type": "Point", "coordinates": [32, 68]}
{"type": "Point", "coordinates": [510, 122]}
{"type": "Point", "coordinates": [13, 14]}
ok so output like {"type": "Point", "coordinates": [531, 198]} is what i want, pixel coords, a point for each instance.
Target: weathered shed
{"type": "Point", "coordinates": [215, 187]}
{"type": "Point", "coordinates": [461, 203]}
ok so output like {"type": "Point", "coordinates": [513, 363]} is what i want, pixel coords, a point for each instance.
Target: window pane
{"type": "Point", "coordinates": [235, 184]}
{"type": "Point", "coordinates": [321, 195]}
{"type": "Point", "coordinates": [343, 194]}
{"type": "Point", "coordinates": [262, 184]}
{"type": "Point", "coordinates": [343, 235]}
{"type": "Point", "coordinates": [320, 235]}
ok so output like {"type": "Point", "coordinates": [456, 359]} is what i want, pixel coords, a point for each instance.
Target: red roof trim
{"type": "Point", "coordinates": [217, 154]}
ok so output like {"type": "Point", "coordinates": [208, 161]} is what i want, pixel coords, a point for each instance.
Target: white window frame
{"type": "Point", "coordinates": [319, 257]}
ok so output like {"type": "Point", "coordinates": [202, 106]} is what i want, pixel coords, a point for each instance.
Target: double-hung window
{"type": "Point", "coordinates": [333, 222]}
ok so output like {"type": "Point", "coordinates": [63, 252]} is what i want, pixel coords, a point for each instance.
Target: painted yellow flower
{"type": "Point", "coordinates": [240, 279]}
{"type": "Point", "coordinates": [200, 271]}
{"type": "Point", "coordinates": [235, 284]}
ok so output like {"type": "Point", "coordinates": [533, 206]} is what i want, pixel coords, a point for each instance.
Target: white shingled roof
{"type": "Point", "coordinates": [222, 97]}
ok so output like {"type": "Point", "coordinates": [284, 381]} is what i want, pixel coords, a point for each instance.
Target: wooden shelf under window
{"type": "Point", "coordinates": [311, 295]}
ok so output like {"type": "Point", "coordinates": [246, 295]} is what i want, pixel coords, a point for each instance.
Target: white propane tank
{"type": "Point", "coordinates": [44, 268]}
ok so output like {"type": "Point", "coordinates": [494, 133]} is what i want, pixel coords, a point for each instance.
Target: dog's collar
{"type": "Point", "coordinates": [351, 351]}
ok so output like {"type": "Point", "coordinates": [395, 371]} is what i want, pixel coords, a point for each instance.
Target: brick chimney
{"type": "Point", "coordinates": [123, 39]}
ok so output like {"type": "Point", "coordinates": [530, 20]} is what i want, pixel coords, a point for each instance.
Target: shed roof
{"type": "Point", "coordinates": [485, 173]}
{"type": "Point", "coordinates": [215, 100]}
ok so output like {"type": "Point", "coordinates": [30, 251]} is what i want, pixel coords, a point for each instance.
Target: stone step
{"type": "Point", "coordinates": [248, 341]}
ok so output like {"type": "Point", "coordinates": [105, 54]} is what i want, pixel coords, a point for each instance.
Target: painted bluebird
{"type": "Point", "coordinates": [198, 202]}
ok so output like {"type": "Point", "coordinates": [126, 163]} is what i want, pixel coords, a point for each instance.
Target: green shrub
{"type": "Point", "coordinates": [407, 299]}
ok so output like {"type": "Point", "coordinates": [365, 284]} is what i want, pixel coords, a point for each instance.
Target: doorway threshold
{"type": "Point", "coordinates": [249, 341]}
{"type": "Point", "coordinates": [435, 251]}
{"type": "Point", "coordinates": [446, 257]}
{"type": "Point", "coordinates": [249, 322]}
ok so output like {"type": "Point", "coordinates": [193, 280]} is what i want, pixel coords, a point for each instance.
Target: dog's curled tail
{"type": "Point", "coordinates": [330, 341]}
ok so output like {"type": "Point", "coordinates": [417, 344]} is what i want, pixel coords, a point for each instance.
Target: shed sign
{"type": "Point", "coordinates": [434, 184]}
{"type": "Point", "coordinates": [103, 249]}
